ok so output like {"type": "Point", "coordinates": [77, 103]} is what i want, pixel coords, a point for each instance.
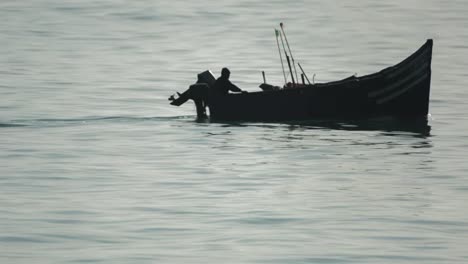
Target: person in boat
{"type": "Point", "coordinates": [223, 85]}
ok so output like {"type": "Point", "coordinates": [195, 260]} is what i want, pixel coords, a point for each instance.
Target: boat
{"type": "Point", "coordinates": [400, 91]}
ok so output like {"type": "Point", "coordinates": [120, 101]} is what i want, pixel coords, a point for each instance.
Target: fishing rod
{"type": "Point", "coordinates": [277, 33]}
{"type": "Point", "coordinates": [292, 58]}
{"type": "Point", "coordinates": [287, 59]}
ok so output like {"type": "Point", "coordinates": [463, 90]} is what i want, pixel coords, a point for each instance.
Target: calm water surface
{"type": "Point", "coordinates": [97, 167]}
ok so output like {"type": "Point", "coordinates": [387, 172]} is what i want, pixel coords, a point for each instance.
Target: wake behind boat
{"type": "Point", "coordinates": [398, 91]}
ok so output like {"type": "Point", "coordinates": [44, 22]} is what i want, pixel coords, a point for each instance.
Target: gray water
{"type": "Point", "coordinates": [97, 167]}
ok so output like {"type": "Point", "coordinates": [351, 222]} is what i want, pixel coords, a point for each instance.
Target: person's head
{"type": "Point", "coordinates": [225, 73]}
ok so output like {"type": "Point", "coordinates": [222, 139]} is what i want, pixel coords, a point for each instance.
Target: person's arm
{"type": "Point", "coordinates": [233, 88]}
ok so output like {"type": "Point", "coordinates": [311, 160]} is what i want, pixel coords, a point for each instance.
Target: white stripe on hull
{"type": "Point", "coordinates": [397, 84]}
{"type": "Point", "coordinates": [421, 58]}
{"type": "Point", "coordinates": [405, 89]}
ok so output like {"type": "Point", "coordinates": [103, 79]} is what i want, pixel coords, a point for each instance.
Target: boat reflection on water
{"type": "Point", "coordinates": [418, 127]}
{"type": "Point", "coordinates": [316, 139]}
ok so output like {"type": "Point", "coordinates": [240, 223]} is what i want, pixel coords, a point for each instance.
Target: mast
{"type": "Point", "coordinates": [277, 33]}
{"type": "Point", "coordinates": [292, 58]}
{"type": "Point", "coordinates": [287, 59]}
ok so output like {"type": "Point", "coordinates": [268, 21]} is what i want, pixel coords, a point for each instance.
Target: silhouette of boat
{"type": "Point", "coordinates": [401, 90]}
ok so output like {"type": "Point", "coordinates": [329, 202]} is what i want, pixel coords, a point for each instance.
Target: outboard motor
{"type": "Point", "coordinates": [206, 77]}
{"type": "Point", "coordinates": [198, 92]}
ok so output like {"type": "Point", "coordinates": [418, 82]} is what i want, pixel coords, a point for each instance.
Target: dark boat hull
{"type": "Point", "coordinates": [401, 91]}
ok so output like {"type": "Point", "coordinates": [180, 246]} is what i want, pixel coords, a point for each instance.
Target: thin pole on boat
{"type": "Point", "coordinates": [290, 69]}
{"type": "Point", "coordinates": [277, 33]}
{"type": "Point", "coordinates": [292, 58]}
{"type": "Point", "coordinates": [287, 59]}
{"type": "Point", "coordinates": [304, 72]}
